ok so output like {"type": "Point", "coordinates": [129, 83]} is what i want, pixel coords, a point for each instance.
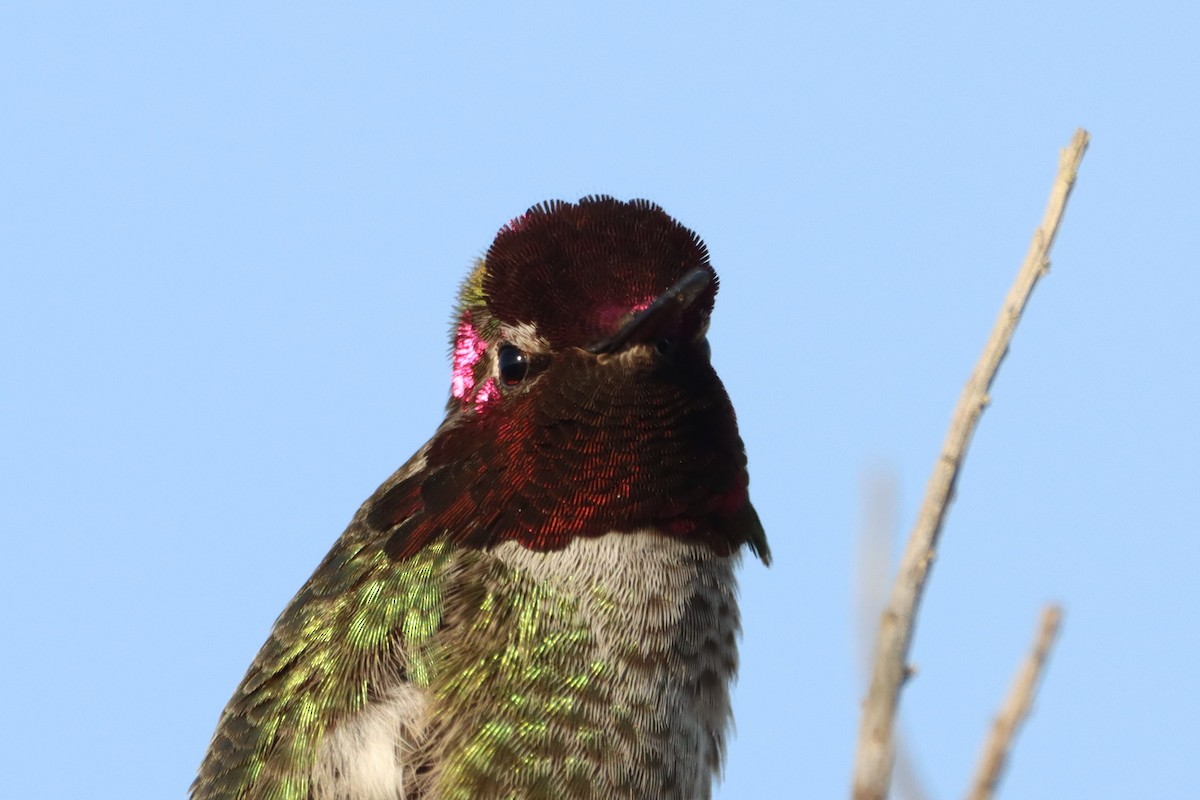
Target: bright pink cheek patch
{"type": "Point", "coordinates": [487, 393]}
{"type": "Point", "coordinates": [468, 349]}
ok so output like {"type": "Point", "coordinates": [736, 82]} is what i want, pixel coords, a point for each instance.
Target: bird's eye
{"type": "Point", "coordinates": [514, 365]}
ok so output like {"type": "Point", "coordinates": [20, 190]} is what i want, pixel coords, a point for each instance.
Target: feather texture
{"type": "Point", "coordinates": [541, 603]}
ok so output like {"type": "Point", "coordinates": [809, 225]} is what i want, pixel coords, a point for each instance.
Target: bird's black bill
{"type": "Point", "coordinates": [648, 323]}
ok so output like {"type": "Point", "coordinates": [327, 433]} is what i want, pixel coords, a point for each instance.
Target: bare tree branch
{"type": "Point", "coordinates": [874, 759]}
{"type": "Point", "coordinates": [1015, 709]}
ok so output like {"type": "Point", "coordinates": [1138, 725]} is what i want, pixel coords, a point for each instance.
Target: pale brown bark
{"type": "Point", "coordinates": [876, 748]}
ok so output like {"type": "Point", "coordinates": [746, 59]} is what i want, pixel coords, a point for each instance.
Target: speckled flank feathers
{"type": "Point", "coordinates": [541, 603]}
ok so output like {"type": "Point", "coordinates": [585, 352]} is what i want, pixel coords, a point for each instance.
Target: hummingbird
{"type": "Point", "coordinates": [542, 602]}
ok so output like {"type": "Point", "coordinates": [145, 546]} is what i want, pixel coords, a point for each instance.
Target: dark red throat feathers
{"type": "Point", "coordinates": [593, 444]}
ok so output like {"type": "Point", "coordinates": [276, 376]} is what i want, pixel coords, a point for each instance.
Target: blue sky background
{"type": "Point", "coordinates": [230, 238]}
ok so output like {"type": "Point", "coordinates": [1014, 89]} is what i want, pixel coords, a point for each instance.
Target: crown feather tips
{"type": "Point", "coordinates": [573, 269]}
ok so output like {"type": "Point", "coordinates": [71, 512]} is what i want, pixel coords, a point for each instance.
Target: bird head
{"type": "Point", "coordinates": [583, 400]}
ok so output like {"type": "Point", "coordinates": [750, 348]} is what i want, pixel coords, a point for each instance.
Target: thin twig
{"type": "Point", "coordinates": [873, 761]}
{"type": "Point", "coordinates": [1015, 709]}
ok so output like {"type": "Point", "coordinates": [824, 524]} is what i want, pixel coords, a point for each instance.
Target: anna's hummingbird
{"type": "Point", "coordinates": [541, 603]}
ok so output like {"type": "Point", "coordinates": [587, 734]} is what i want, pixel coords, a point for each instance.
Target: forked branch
{"type": "Point", "coordinates": [876, 751]}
